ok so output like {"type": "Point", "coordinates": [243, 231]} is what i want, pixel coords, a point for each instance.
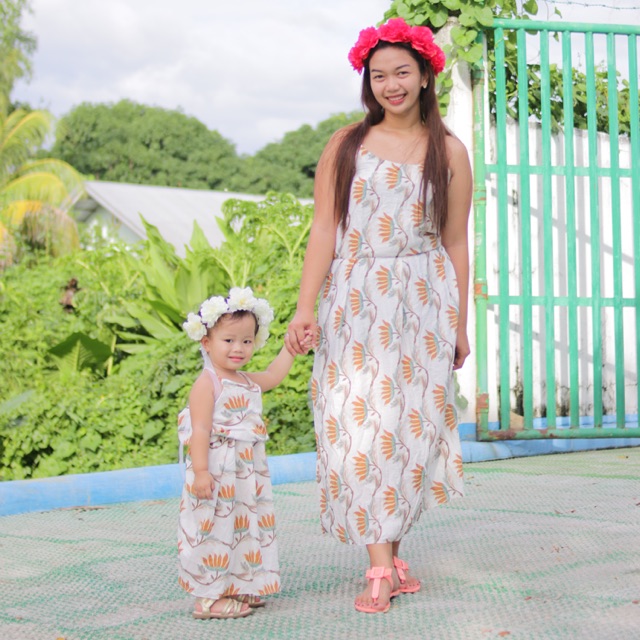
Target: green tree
{"type": "Point", "coordinates": [290, 165]}
{"type": "Point", "coordinates": [130, 142]}
{"type": "Point", "coordinates": [16, 45]}
{"type": "Point", "coordinates": [36, 195]}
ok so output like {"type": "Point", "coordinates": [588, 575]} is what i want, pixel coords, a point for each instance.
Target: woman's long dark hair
{"type": "Point", "coordinates": [436, 163]}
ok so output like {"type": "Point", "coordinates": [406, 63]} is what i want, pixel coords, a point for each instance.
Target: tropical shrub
{"type": "Point", "coordinates": [99, 387]}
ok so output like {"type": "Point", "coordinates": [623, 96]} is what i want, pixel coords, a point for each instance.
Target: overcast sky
{"type": "Point", "coordinates": [252, 70]}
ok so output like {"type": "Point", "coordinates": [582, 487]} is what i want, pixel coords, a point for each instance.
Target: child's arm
{"type": "Point", "coordinates": [276, 372]}
{"type": "Point", "coordinates": [201, 409]}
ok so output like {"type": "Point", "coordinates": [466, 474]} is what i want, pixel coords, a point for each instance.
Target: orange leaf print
{"type": "Point", "coordinates": [335, 485]}
{"type": "Point", "coordinates": [355, 242]}
{"type": "Point", "coordinates": [384, 280]}
{"type": "Point", "coordinates": [391, 501]}
{"type": "Point", "coordinates": [386, 334]}
{"type": "Point", "coordinates": [331, 429]}
{"type": "Point", "coordinates": [359, 356]}
{"type": "Point", "coordinates": [253, 558]}
{"type": "Point", "coordinates": [260, 430]}
{"type": "Point", "coordinates": [440, 270]}
{"type": "Point", "coordinates": [343, 536]}
{"type": "Point", "coordinates": [388, 445]}
{"type": "Point", "coordinates": [179, 547]}
{"type": "Point", "coordinates": [386, 227]}
{"type": "Point", "coordinates": [440, 492]}
{"type": "Point", "coordinates": [314, 390]}
{"type": "Point", "coordinates": [388, 390]}
{"type": "Point", "coordinates": [267, 522]}
{"type": "Point", "coordinates": [241, 524]}
{"type": "Point", "coordinates": [185, 585]}
{"type": "Point", "coordinates": [452, 315]}
{"type": "Point", "coordinates": [327, 285]}
{"type": "Point", "coordinates": [423, 291]}
{"type": "Point", "coordinates": [270, 589]}
{"type": "Point", "coordinates": [450, 417]}
{"type": "Point", "coordinates": [259, 489]}
{"type": "Point", "coordinates": [350, 264]}
{"type": "Point", "coordinates": [418, 477]}
{"type": "Point", "coordinates": [231, 590]}
{"type": "Point", "coordinates": [408, 369]}
{"type": "Point", "coordinates": [440, 397]}
{"type": "Point", "coordinates": [338, 319]}
{"type": "Point", "coordinates": [357, 301]}
{"type": "Point", "coordinates": [227, 493]}
{"type": "Point", "coordinates": [246, 455]}
{"type": "Point", "coordinates": [237, 404]}
{"type": "Point", "coordinates": [393, 176]}
{"type": "Point", "coordinates": [323, 501]}
{"type": "Point", "coordinates": [362, 520]}
{"type": "Point", "coordinates": [416, 423]}
{"type": "Point", "coordinates": [362, 466]}
{"type": "Point", "coordinates": [359, 411]}
{"type": "Point", "coordinates": [359, 190]}
{"type": "Point", "coordinates": [457, 463]}
{"type": "Point", "coordinates": [217, 563]}
{"type": "Point", "coordinates": [205, 527]}
{"type": "Point", "coordinates": [417, 213]}
{"type": "Point", "coordinates": [332, 374]}
{"type": "Point", "coordinates": [432, 344]}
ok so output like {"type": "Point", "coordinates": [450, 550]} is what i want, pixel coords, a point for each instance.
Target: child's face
{"type": "Point", "coordinates": [231, 342]}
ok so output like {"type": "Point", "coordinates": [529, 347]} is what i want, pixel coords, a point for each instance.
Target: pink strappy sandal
{"type": "Point", "coordinates": [377, 574]}
{"type": "Point", "coordinates": [402, 567]}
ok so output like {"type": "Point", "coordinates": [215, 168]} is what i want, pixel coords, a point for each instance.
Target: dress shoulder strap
{"type": "Point", "coordinates": [217, 385]}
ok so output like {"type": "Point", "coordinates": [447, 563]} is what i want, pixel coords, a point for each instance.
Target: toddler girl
{"type": "Point", "coordinates": [226, 537]}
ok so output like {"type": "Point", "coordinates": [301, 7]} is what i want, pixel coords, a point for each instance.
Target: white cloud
{"type": "Point", "coordinates": [252, 71]}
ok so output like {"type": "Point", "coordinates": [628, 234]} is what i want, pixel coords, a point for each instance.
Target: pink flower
{"type": "Point", "coordinates": [397, 30]}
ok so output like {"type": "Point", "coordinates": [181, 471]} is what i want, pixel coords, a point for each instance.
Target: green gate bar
{"type": "Point", "coordinates": [549, 300]}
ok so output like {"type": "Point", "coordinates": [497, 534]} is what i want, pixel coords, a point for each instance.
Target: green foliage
{"type": "Point", "coordinates": [79, 398]}
{"type": "Point", "coordinates": [129, 142]}
{"type": "Point", "coordinates": [289, 166]}
{"type": "Point", "coordinates": [16, 45]}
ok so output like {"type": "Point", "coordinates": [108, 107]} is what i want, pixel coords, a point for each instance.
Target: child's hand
{"type": "Point", "coordinates": [203, 485]}
{"type": "Point", "coordinates": [307, 343]}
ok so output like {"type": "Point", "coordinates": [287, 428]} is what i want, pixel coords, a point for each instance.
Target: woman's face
{"type": "Point", "coordinates": [395, 80]}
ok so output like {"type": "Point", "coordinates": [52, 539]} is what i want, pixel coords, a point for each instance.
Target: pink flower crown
{"type": "Point", "coordinates": [397, 30]}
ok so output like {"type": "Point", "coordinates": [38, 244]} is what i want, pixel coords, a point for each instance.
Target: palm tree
{"type": "Point", "coordinates": [36, 195]}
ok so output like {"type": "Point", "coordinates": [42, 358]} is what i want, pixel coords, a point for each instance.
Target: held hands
{"type": "Point", "coordinates": [203, 485]}
{"type": "Point", "coordinates": [301, 334]}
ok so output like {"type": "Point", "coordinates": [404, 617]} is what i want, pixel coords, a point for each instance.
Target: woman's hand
{"type": "Point", "coordinates": [300, 328]}
{"type": "Point", "coordinates": [462, 349]}
{"type": "Point", "coordinates": [203, 485]}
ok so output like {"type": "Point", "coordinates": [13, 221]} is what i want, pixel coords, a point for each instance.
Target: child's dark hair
{"type": "Point", "coordinates": [235, 316]}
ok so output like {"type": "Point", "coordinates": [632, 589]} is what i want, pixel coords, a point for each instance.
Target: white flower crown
{"type": "Point", "coordinates": [239, 299]}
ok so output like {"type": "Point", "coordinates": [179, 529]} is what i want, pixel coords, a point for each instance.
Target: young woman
{"type": "Point", "coordinates": [388, 254]}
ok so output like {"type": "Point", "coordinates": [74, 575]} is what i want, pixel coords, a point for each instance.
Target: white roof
{"type": "Point", "coordinates": [170, 209]}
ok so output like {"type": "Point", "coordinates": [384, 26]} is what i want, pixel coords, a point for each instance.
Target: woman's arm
{"type": "Point", "coordinates": [455, 236]}
{"type": "Point", "coordinates": [320, 248]}
{"type": "Point", "coordinates": [201, 405]}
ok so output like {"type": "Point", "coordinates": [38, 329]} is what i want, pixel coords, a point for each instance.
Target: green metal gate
{"type": "Point", "coordinates": [557, 224]}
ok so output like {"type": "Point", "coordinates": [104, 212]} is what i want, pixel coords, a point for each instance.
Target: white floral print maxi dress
{"type": "Point", "coordinates": [227, 545]}
{"type": "Point", "coordinates": [382, 385]}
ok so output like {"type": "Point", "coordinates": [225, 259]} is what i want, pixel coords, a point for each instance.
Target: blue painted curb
{"type": "Point", "coordinates": [165, 481]}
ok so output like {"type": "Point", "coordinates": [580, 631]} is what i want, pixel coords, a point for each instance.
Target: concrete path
{"type": "Point", "coordinates": [540, 548]}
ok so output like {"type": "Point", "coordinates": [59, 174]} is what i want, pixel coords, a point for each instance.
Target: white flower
{"type": "Point", "coordinates": [212, 309]}
{"type": "Point", "coordinates": [194, 327]}
{"type": "Point", "coordinates": [261, 337]}
{"type": "Point", "coordinates": [240, 299]}
{"type": "Point", "coordinates": [263, 312]}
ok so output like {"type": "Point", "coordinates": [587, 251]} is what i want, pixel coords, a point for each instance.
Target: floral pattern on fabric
{"type": "Point", "coordinates": [227, 545]}
{"type": "Point", "coordinates": [382, 385]}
